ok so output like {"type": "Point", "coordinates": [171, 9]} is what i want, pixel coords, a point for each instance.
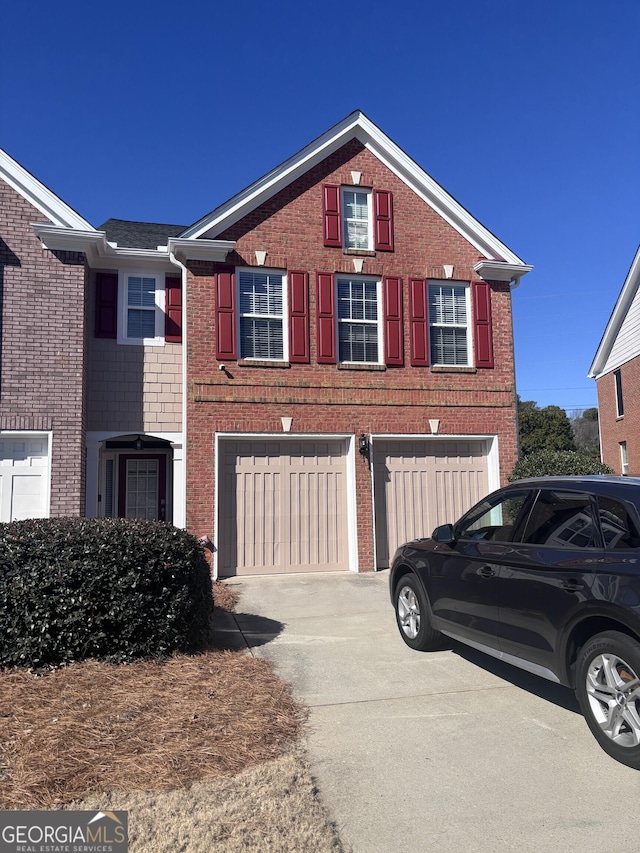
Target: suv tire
{"type": "Point", "coordinates": [412, 615]}
{"type": "Point", "coordinates": [608, 690]}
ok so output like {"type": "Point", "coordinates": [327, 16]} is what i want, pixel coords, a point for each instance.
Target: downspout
{"type": "Point", "coordinates": [515, 282]}
{"type": "Point", "coordinates": [183, 273]}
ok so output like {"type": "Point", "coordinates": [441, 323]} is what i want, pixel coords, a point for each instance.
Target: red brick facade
{"type": "Point", "coordinates": [42, 369]}
{"type": "Point", "coordinates": [614, 429]}
{"type": "Point", "coordinates": [330, 398]}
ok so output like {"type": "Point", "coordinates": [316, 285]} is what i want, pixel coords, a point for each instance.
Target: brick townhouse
{"type": "Point", "coordinates": [349, 372]}
{"type": "Point", "coordinates": [616, 369]}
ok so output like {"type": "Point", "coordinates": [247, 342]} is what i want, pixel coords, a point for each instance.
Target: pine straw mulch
{"type": "Point", "coordinates": [148, 726]}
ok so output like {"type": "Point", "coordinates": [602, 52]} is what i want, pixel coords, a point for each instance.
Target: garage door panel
{"type": "Point", "coordinates": [420, 484]}
{"type": "Point", "coordinates": [24, 477]}
{"type": "Point", "coordinates": [289, 512]}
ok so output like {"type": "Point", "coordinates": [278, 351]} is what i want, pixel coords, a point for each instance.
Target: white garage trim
{"type": "Point", "coordinates": [350, 459]}
{"type": "Point", "coordinates": [44, 469]}
{"type": "Point", "coordinates": [491, 457]}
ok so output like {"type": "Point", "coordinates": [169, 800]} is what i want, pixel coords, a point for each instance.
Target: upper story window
{"type": "Point", "coordinates": [449, 323]}
{"type": "Point", "coordinates": [262, 297]}
{"type": "Point", "coordinates": [356, 220]}
{"type": "Point", "coordinates": [617, 378]}
{"type": "Point", "coordinates": [359, 327]}
{"type": "Point", "coordinates": [138, 307]}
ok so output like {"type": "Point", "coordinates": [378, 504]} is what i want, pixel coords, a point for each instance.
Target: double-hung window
{"type": "Point", "coordinates": [262, 315]}
{"type": "Point", "coordinates": [356, 219]}
{"type": "Point", "coordinates": [359, 326]}
{"type": "Point", "coordinates": [142, 313]}
{"type": "Point", "coordinates": [449, 323]}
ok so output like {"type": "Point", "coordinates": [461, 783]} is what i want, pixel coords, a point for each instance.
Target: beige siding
{"type": "Point", "coordinates": [134, 388]}
{"type": "Point", "coordinates": [423, 483]}
{"type": "Point", "coordinates": [282, 507]}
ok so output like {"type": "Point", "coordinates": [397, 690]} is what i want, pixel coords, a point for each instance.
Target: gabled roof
{"type": "Point", "coordinates": [139, 235]}
{"type": "Point", "coordinates": [621, 339]}
{"type": "Point", "coordinates": [35, 192]}
{"type": "Point", "coordinates": [356, 126]}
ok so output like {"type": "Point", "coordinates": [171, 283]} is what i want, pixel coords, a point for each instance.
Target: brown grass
{"type": "Point", "coordinates": [155, 726]}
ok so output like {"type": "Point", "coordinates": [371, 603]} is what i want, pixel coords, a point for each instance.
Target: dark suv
{"type": "Point", "coordinates": [543, 574]}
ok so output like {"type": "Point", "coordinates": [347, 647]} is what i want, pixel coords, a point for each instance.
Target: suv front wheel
{"type": "Point", "coordinates": [412, 616]}
{"type": "Point", "coordinates": [608, 690]}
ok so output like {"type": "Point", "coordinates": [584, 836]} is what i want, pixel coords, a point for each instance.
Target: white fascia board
{"type": "Point", "coordinates": [629, 288]}
{"type": "Point", "coordinates": [47, 202]}
{"type": "Point", "coordinates": [358, 126]}
{"type": "Point", "coordinates": [200, 250]}
{"type": "Point", "coordinates": [98, 250]}
{"type": "Point", "coordinates": [501, 271]}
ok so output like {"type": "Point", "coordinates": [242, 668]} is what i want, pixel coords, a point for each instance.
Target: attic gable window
{"type": "Point", "coordinates": [449, 323]}
{"type": "Point", "coordinates": [356, 219]}
{"type": "Point", "coordinates": [262, 297]}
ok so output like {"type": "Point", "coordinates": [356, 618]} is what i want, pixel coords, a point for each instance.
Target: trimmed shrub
{"type": "Point", "coordinates": [550, 463]}
{"type": "Point", "coordinates": [110, 589]}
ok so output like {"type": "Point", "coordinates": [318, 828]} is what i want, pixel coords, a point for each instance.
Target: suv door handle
{"type": "Point", "coordinates": [572, 585]}
{"type": "Point", "coordinates": [486, 572]}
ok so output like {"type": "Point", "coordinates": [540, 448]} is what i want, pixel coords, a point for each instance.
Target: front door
{"type": "Point", "coordinates": [142, 486]}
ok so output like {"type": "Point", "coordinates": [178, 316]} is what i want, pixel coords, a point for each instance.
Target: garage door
{"type": "Point", "coordinates": [282, 507]}
{"type": "Point", "coordinates": [24, 477]}
{"type": "Point", "coordinates": [421, 484]}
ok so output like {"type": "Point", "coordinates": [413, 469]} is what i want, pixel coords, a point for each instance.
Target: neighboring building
{"type": "Point", "coordinates": [616, 369]}
{"type": "Point", "coordinates": [350, 371]}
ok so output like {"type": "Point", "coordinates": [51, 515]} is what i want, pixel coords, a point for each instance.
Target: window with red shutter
{"type": "Point", "coordinates": [173, 309]}
{"type": "Point", "coordinates": [483, 333]}
{"type": "Point", "coordinates": [226, 346]}
{"type": "Point", "coordinates": [326, 318]}
{"type": "Point", "coordinates": [106, 320]}
{"type": "Point", "coordinates": [298, 317]}
{"type": "Point", "coordinates": [393, 331]}
{"type": "Point", "coordinates": [332, 221]}
{"type": "Point", "coordinates": [383, 221]}
{"type": "Point", "coordinates": [419, 322]}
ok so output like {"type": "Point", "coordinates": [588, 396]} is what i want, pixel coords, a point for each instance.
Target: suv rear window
{"type": "Point", "coordinates": [562, 520]}
{"type": "Point", "coordinates": [618, 523]}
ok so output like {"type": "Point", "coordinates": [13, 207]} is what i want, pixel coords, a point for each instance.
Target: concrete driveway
{"type": "Point", "coordinates": [450, 752]}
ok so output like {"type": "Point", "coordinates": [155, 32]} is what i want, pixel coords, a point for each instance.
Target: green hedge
{"type": "Point", "coordinates": [110, 589]}
{"type": "Point", "coordinates": [557, 463]}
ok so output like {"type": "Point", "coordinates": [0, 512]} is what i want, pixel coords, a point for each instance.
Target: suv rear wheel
{"type": "Point", "coordinates": [412, 616]}
{"type": "Point", "coordinates": [608, 690]}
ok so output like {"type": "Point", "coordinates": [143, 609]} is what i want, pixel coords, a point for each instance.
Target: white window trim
{"type": "Point", "coordinates": [285, 313]}
{"type": "Point", "coordinates": [343, 207]}
{"type": "Point", "coordinates": [432, 325]}
{"type": "Point", "coordinates": [123, 278]}
{"type": "Point", "coordinates": [379, 322]}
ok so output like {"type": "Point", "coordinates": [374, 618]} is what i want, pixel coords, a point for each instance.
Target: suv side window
{"type": "Point", "coordinates": [618, 523]}
{"type": "Point", "coordinates": [494, 518]}
{"type": "Point", "coordinates": [562, 520]}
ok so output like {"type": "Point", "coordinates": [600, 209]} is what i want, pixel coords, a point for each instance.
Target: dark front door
{"type": "Point", "coordinates": [142, 486]}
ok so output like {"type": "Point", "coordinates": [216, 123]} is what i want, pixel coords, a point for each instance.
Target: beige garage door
{"type": "Point", "coordinates": [282, 507]}
{"type": "Point", "coordinates": [421, 484]}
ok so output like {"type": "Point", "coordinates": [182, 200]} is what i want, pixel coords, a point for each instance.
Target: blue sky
{"type": "Point", "coordinates": [527, 113]}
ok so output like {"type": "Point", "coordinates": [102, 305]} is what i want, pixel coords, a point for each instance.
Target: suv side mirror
{"type": "Point", "coordinates": [444, 534]}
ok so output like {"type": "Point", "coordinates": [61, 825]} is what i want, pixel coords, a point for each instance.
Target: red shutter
{"type": "Point", "coordinates": [393, 336]}
{"type": "Point", "coordinates": [299, 317]}
{"type": "Point", "coordinates": [482, 323]}
{"type": "Point", "coordinates": [383, 220]}
{"type": "Point", "coordinates": [419, 322]}
{"type": "Point", "coordinates": [332, 221]}
{"type": "Point", "coordinates": [173, 309]}
{"type": "Point", "coordinates": [106, 305]}
{"type": "Point", "coordinates": [226, 346]}
{"type": "Point", "coordinates": [326, 318]}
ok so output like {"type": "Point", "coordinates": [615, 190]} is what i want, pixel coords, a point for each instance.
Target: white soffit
{"type": "Point", "coordinates": [618, 315]}
{"type": "Point", "coordinates": [356, 125]}
{"type": "Point", "coordinates": [23, 182]}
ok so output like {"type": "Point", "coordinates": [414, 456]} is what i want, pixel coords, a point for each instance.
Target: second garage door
{"type": "Point", "coordinates": [24, 472]}
{"type": "Point", "coordinates": [282, 506]}
{"type": "Point", "coordinates": [420, 484]}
